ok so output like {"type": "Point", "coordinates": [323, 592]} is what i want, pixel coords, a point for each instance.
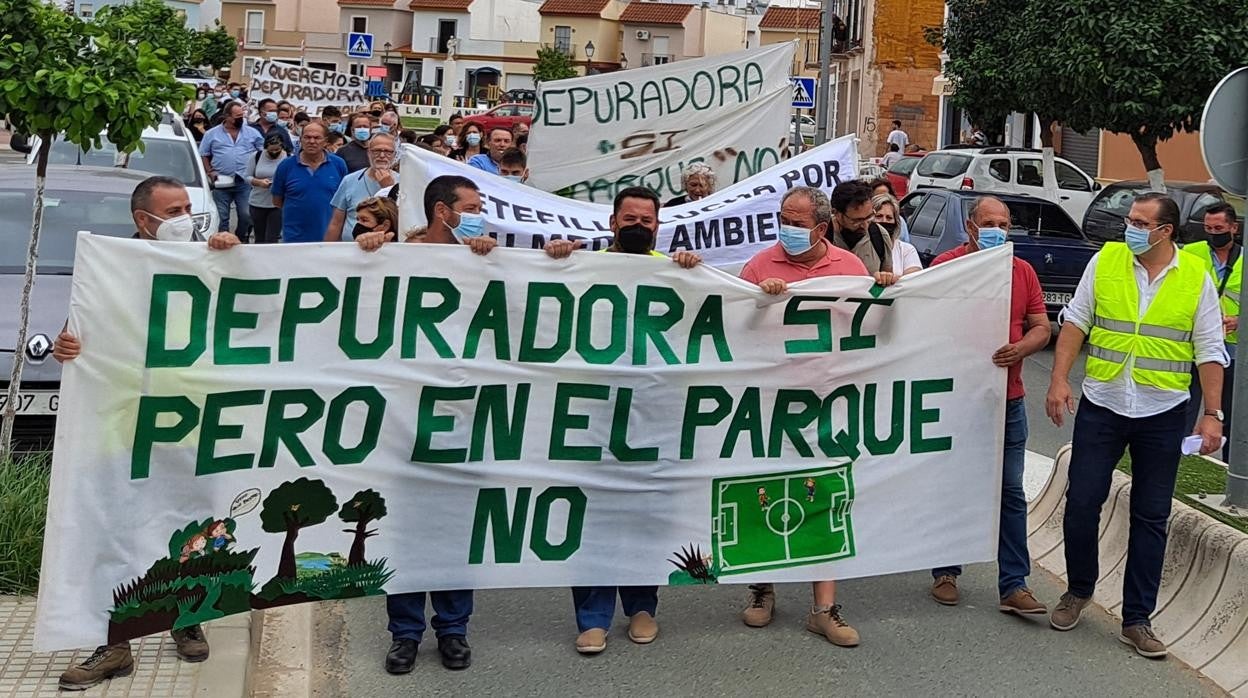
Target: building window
{"type": "Point", "coordinates": [357, 69]}
{"type": "Point", "coordinates": [446, 32]}
{"type": "Point", "coordinates": [249, 65]}
{"type": "Point", "coordinates": [438, 73]}
{"type": "Point", "coordinates": [86, 10]}
{"type": "Point", "coordinates": [563, 40]}
{"type": "Point", "coordinates": [180, 14]}
{"type": "Point", "coordinates": [359, 25]}
{"type": "Point", "coordinates": [332, 67]}
{"type": "Point", "coordinates": [255, 27]}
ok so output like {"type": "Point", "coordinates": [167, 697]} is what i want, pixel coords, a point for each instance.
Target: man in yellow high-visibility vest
{"type": "Point", "coordinates": [1222, 257]}
{"type": "Point", "coordinates": [1148, 312]}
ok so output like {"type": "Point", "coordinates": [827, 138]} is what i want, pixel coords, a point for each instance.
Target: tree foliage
{"type": "Point", "coordinates": [290, 507]}
{"type": "Point", "coordinates": [214, 48]}
{"type": "Point", "coordinates": [362, 509]}
{"type": "Point", "coordinates": [153, 20]}
{"type": "Point", "coordinates": [552, 64]}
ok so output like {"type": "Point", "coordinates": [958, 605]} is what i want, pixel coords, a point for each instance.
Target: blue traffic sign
{"type": "Point", "coordinates": [360, 45]}
{"type": "Point", "coordinates": [803, 93]}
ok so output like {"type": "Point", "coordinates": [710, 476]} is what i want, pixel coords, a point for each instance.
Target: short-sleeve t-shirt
{"type": "Point", "coordinates": [306, 196]}
{"type": "Point", "coordinates": [1026, 298]}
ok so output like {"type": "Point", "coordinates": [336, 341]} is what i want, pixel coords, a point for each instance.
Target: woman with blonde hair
{"type": "Point", "coordinates": [376, 222]}
{"type": "Point", "coordinates": [888, 216]}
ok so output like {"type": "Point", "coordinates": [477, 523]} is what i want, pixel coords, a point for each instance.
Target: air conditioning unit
{"type": "Point", "coordinates": [643, 34]}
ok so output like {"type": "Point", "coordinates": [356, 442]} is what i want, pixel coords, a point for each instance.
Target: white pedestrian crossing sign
{"type": "Point", "coordinates": [360, 45]}
{"type": "Point", "coordinates": [803, 93]}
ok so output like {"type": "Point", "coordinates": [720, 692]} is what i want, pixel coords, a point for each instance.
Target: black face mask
{"type": "Point", "coordinates": [634, 239]}
{"type": "Point", "coordinates": [890, 227]}
{"type": "Point", "coordinates": [1220, 240]}
{"type": "Point", "coordinates": [360, 229]}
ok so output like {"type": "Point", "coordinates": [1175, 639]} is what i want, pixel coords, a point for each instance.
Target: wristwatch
{"type": "Point", "coordinates": [1216, 414]}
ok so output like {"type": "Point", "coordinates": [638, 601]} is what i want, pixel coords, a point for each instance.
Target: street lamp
{"type": "Point", "coordinates": [385, 62]}
{"type": "Point", "coordinates": [589, 56]}
{"type": "Point", "coordinates": [623, 62]}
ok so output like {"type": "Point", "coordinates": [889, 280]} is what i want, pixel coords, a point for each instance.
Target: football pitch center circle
{"type": "Point", "coordinates": [780, 519]}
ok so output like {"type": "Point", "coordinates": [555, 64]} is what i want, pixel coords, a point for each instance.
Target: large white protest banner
{"type": "Point", "coordinates": [310, 88]}
{"type": "Point", "coordinates": [595, 135]}
{"type": "Point", "coordinates": [284, 424]}
{"type": "Point", "coordinates": [726, 228]}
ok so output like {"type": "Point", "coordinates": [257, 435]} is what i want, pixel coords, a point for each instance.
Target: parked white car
{"type": "Point", "coordinates": [168, 149]}
{"type": "Point", "coordinates": [807, 128]}
{"type": "Point", "coordinates": [1006, 171]}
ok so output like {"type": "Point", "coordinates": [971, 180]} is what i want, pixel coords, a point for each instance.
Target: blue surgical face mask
{"type": "Point", "coordinates": [990, 238]}
{"type": "Point", "coordinates": [474, 139]}
{"type": "Point", "coordinates": [795, 240]}
{"type": "Point", "coordinates": [1137, 239]}
{"type": "Point", "coordinates": [361, 134]}
{"type": "Point", "coordinates": [270, 117]}
{"type": "Point", "coordinates": [382, 128]}
{"type": "Point", "coordinates": [338, 127]}
{"type": "Point", "coordinates": [234, 93]}
{"type": "Point", "coordinates": [471, 225]}
{"type": "Point", "coordinates": [518, 179]}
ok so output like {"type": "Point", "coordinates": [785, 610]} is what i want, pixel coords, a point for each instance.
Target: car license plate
{"type": "Point", "coordinates": [1053, 298]}
{"type": "Point", "coordinates": [32, 402]}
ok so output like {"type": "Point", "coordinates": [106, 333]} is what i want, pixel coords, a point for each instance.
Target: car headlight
{"type": "Point", "coordinates": [202, 222]}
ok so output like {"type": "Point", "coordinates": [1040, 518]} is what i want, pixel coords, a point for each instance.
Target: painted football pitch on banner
{"type": "Point", "coordinates": [786, 519]}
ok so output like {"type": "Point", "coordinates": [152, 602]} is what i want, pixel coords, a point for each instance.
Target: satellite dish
{"type": "Point", "coordinates": [1223, 138]}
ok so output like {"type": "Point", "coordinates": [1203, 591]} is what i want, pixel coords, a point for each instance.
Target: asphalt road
{"type": "Point", "coordinates": [1042, 436]}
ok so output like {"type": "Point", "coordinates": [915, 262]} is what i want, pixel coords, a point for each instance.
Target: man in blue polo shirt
{"type": "Point", "coordinates": [226, 150]}
{"type": "Point", "coordinates": [499, 142]}
{"type": "Point", "coordinates": [304, 186]}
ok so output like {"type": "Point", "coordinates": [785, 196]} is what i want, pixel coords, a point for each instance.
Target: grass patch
{"type": "Point", "coordinates": [420, 123]}
{"type": "Point", "coordinates": [23, 509]}
{"type": "Point", "coordinates": [1198, 476]}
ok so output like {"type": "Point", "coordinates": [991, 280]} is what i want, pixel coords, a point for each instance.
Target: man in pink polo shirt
{"type": "Point", "coordinates": [802, 253]}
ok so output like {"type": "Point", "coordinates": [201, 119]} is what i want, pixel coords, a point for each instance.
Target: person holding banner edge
{"type": "Point", "coordinates": [161, 209]}
{"type": "Point", "coordinates": [453, 209]}
{"type": "Point", "coordinates": [804, 252]}
{"type": "Point", "coordinates": [634, 226]}
{"type": "Point", "coordinates": [988, 226]}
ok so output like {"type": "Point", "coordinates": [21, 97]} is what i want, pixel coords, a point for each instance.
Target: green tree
{"type": "Point", "coordinates": [61, 77]}
{"type": "Point", "coordinates": [214, 48]}
{"type": "Point", "coordinates": [552, 64]}
{"type": "Point", "coordinates": [977, 40]}
{"type": "Point", "coordinates": [293, 506]}
{"type": "Point", "coordinates": [157, 22]}
{"type": "Point", "coordinates": [364, 508]}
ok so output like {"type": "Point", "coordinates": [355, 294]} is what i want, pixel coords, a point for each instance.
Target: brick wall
{"type": "Point", "coordinates": [905, 65]}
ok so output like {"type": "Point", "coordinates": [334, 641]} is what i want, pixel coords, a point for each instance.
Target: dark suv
{"type": "Point", "coordinates": [1042, 233]}
{"type": "Point", "coordinates": [1104, 221]}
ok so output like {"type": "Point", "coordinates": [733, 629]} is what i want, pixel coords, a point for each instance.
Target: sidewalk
{"type": "Point", "coordinates": [158, 672]}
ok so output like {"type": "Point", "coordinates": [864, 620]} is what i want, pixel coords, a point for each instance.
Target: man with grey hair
{"type": "Point", "coordinates": [802, 253]}
{"type": "Point", "coordinates": [987, 226]}
{"type": "Point", "coordinates": [698, 181]}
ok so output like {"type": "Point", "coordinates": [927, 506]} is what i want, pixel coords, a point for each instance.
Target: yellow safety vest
{"type": "Point", "coordinates": [1161, 341]}
{"type": "Point", "coordinates": [1230, 295]}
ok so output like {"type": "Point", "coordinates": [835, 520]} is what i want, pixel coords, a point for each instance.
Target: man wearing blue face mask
{"type": "Point", "coordinates": [987, 225]}
{"type": "Point", "coordinates": [267, 123]}
{"type": "Point", "coordinates": [453, 210]}
{"type": "Point", "coordinates": [513, 166]}
{"type": "Point", "coordinates": [1148, 312]}
{"type": "Point", "coordinates": [355, 152]}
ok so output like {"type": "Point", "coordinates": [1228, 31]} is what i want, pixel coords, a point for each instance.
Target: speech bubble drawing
{"type": "Point", "coordinates": [245, 502]}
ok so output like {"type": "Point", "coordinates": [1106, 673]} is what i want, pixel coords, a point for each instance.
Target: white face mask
{"type": "Point", "coordinates": [176, 229]}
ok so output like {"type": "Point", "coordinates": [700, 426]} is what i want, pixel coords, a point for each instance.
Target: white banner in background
{"type": "Point", "coordinates": [295, 423]}
{"type": "Point", "coordinates": [310, 88]}
{"type": "Point", "coordinates": [726, 228]}
{"type": "Point", "coordinates": [595, 135]}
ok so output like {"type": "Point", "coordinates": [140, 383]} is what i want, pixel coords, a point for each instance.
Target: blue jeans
{"type": "Point", "coordinates": [407, 614]}
{"type": "Point", "coordinates": [1013, 560]}
{"type": "Point", "coordinates": [1101, 436]}
{"type": "Point", "coordinates": [595, 606]}
{"type": "Point", "coordinates": [238, 195]}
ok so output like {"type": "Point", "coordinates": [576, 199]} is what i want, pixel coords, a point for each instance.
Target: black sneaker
{"type": "Point", "coordinates": [455, 652]}
{"type": "Point", "coordinates": [402, 656]}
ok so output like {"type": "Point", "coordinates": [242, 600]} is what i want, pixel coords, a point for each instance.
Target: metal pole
{"type": "Point", "coordinates": [825, 69]}
{"type": "Point", "coordinates": [1237, 477]}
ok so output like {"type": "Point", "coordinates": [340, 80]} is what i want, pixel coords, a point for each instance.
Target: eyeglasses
{"type": "Point", "coordinates": [382, 153]}
{"type": "Point", "coordinates": [1139, 223]}
{"type": "Point", "coordinates": [857, 221]}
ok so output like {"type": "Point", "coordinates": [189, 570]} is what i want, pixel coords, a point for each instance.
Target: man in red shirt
{"type": "Point", "coordinates": [804, 252]}
{"type": "Point", "coordinates": [987, 226]}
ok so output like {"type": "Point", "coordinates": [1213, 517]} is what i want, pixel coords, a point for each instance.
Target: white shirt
{"type": "Point", "coordinates": [1122, 394]}
{"type": "Point", "coordinates": [889, 158]}
{"type": "Point", "coordinates": [899, 137]}
{"type": "Point", "coordinates": [905, 257]}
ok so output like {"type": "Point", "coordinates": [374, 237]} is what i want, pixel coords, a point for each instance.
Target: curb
{"type": "Point", "coordinates": [231, 640]}
{"type": "Point", "coordinates": [1202, 605]}
{"type": "Point", "coordinates": [281, 657]}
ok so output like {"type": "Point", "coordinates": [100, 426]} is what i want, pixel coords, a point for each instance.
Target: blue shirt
{"type": "Point", "coordinates": [355, 188]}
{"type": "Point", "coordinates": [229, 156]}
{"type": "Point", "coordinates": [483, 162]}
{"type": "Point", "coordinates": [306, 196]}
{"type": "Point", "coordinates": [287, 144]}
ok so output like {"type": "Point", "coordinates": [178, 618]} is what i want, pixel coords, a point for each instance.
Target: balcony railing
{"type": "Point", "coordinates": [649, 59]}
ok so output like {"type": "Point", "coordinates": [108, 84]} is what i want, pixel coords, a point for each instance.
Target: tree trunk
{"type": "Point", "coordinates": [23, 322]}
{"type": "Point", "coordinates": [286, 568]}
{"type": "Point", "coordinates": [356, 556]}
{"type": "Point", "coordinates": [1046, 131]}
{"type": "Point", "coordinates": [1049, 175]}
{"type": "Point", "coordinates": [1146, 143]}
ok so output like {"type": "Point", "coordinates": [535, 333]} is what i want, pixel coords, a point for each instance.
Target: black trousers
{"type": "Point", "coordinates": [267, 223]}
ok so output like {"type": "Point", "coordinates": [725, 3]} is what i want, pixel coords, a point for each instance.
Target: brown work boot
{"type": "Point", "coordinates": [827, 621]}
{"type": "Point", "coordinates": [642, 628]}
{"type": "Point", "coordinates": [1022, 602]}
{"type": "Point", "coordinates": [592, 641]}
{"type": "Point", "coordinates": [192, 645]}
{"type": "Point", "coordinates": [945, 590]}
{"type": "Point", "coordinates": [761, 607]}
{"type": "Point", "coordinates": [1141, 637]}
{"type": "Point", "coordinates": [107, 662]}
{"type": "Point", "coordinates": [1066, 615]}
